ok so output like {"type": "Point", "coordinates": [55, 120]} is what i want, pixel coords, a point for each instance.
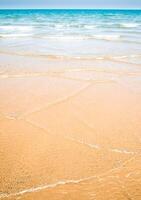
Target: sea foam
{"type": "Point", "coordinates": [16, 28]}
{"type": "Point", "coordinates": [129, 25]}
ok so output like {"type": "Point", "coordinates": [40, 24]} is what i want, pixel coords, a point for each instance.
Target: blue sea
{"type": "Point", "coordinates": [71, 33]}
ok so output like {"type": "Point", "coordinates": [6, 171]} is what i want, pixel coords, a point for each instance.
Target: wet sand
{"type": "Point", "coordinates": [70, 129]}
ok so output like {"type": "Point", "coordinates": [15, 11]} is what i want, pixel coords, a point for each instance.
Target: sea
{"type": "Point", "coordinates": [61, 33]}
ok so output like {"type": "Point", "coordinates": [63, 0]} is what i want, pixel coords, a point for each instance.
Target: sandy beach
{"type": "Point", "coordinates": [69, 129]}
{"type": "Point", "coordinates": [70, 104]}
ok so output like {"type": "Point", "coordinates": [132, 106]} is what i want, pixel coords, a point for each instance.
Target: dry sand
{"type": "Point", "coordinates": [69, 130]}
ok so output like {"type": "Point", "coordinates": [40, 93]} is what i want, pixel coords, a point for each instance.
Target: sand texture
{"type": "Point", "coordinates": [69, 129]}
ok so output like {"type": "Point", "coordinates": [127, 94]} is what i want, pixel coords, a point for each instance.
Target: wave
{"type": "Point", "coordinates": [15, 35]}
{"type": "Point", "coordinates": [71, 25]}
{"type": "Point", "coordinates": [67, 57]}
{"type": "Point", "coordinates": [74, 57]}
{"type": "Point", "coordinates": [82, 37]}
{"type": "Point", "coordinates": [107, 37]}
{"type": "Point", "coordinates": [16, 28]}
{"type": "Point", "coordinates": [24, 31]}
{"type": "Point", "coordinates": [129, 25]}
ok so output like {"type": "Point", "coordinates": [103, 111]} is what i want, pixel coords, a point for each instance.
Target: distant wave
{"type": "Point", "coordinates": [15, 35]}
{"type": "Point", "coordinates": [129, 25]}
{"type": "Point", "coordinates": [107, 37]}
{"type": "Point", "coordinates": [71, 25]}
{"type": "Point", "coordinates": [63, 37]}
{"type": "Point", "coordinates": [16, 28]}
{"type": "Point", "coordinates": [111, 37]}
{"type": "Point", "coordinates": [83, 37]}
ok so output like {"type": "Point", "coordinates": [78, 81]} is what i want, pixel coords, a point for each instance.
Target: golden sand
{"type": "Point", "coordinates": [69, 130]}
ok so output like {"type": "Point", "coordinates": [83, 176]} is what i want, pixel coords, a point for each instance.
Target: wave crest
{"type": "Point", "coordinates": [16, 28]}
{"type": "Point", "coordinates": [129, 25]}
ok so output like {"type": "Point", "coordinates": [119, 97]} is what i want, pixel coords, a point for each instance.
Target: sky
{"type": "Point", "coordinates": [70, 4]}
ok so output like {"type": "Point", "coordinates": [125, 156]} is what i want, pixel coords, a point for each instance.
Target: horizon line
{"type": "Point", "coordinates": [34, 8]}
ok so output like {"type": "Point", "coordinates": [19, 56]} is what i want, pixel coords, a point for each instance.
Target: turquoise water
{"type": "Point", "coordinates": [79, 33]}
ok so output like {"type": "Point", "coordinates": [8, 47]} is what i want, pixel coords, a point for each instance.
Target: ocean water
{"type": "Point", "coordinates": [86, 34]}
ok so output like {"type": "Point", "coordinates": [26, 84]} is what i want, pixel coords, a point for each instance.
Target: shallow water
{"type": "Point", "coordinates": [77, 33]}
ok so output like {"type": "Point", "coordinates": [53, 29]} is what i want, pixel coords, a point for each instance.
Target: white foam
{"type": "Point", "coordinates": [59, 183]}
{"type": "Point", "coordinates": [90, 26]}
{"type": "Point", "coordinates": [93, 146]}
{"type": "Point", "coordinates": [17, 28]}
{"type": "Point", "coordinates": [48, 186]}
{"type": "Point", "coordinates": [122, 151]}
{"type": "Point", "coordinates": [15, 35]}
{"type": "Point", "coordinates": [129, 25]}
{"type": "Point", "coordinates": [83, 37]}
{"type": "Point", "coordinates": [107, 37]}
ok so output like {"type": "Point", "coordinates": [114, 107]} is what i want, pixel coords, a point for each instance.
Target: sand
{"type": "Point", "coordinates": [69, 129]}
